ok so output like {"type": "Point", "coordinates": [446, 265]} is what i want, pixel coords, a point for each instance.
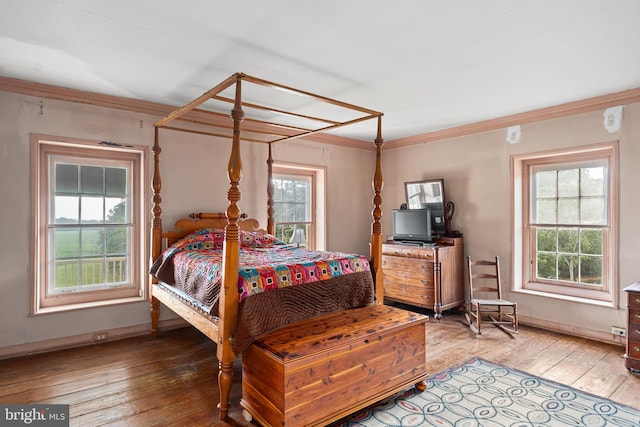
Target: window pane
{"type": "Point", "coordinates": [288, 191]}
{"type": "Point", "coordinates": [301, 212]}
{"type": "Point", "coordinates": [568, 268]}
{"type": "Point", "coordinates": [117, 238]}
{"type": "Point", "coordinates": [591, 270]}
{"type": "Point", "coordinates": [568, 240]}
{"type": "Point", "coordinates": [287, 232]}
{"type": "Point", "coordinates": [546, 239]}
{"type": "Point", "coordinates": [92, 209]}
{"type": "Point", "coordinates": [116, 182]}
{"type": "Point", "coordinates": [277, 212]}
{"type": "Point", "coordinates": [592, 181]}
{"type": "Point", "coordinates": [117, 269]}
{"type": "Point", "coordinates": [278, 230]}
{"type": "Point", "coordinates": [92, 242]}
{"type": "Point", "coordinates": [546, 212]}
{"type": "Point", "coordinates": [301, 191]}
{"type": "Point", "coordinates": [66, 243]}
{"type": "Point", "coordinates": [591, 242]}
{"type": "Point", "coordinates": [116, 211]}
{"type": "Point", "coordinates": [92, 270]}
{"type": "Point", "coordinates": [592, 211]}
{"type": "Point", "coordinates": [66, 209]}
{"type": "Point", "coordinates": [92, 180]}
{"type": "Point", "coordinates": [568, 211]}
{"type": "Point", "coordinates": [287, 212]}
{"type": "Point", "coordinates": [277, 189]}
{"type": "Point", "coordinates": [568, 183]}
{"type": "Point", "coordinates": [546, 185]}
{"type": "Point", "coordinates": [65, 265]}
{"type": "Point", "coordinates": [66, 180]}
{"type": "Point", "coordinates": [546, 264]}
{"type": "Point", "coordinates": [66, 274]}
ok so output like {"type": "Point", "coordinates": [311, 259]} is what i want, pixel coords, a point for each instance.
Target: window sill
{"type": "Point", "coordinates": [86, 305]}
{"type": "Point", "coordinates": [606, 304]}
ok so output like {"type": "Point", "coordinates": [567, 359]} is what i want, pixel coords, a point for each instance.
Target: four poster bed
{"type": "Point", "coordinates": [243, 299]}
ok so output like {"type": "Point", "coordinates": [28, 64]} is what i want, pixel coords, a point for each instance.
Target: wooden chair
{"type": "Point", "coordinates": [485, 298]}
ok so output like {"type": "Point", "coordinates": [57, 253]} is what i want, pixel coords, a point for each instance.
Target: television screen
{"type": "Point", "coordinates": [412, 225]}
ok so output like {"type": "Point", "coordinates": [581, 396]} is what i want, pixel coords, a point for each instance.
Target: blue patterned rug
{"type": "Point", "coordinates": [480, 393]}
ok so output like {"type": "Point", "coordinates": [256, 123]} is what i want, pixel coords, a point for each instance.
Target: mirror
{"type": "Point", "coordinates": [429, 194]}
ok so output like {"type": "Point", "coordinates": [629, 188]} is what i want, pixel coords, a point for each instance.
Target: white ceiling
{"type": "Point", "coordinates": [426, 64]}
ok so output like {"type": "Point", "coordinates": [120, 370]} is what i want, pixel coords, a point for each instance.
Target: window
{"type": "Point", "coordinates": [89, 226]}
{"type": "Point", "coordinates": [568, 227]}
{"type": "Point", "coordinates": [298, 205]}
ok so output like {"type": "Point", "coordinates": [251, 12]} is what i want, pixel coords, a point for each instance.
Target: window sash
{"type": "Point", "coordinates": [294, 205]}
{"type": "Point", "coordinates": [600, 155]}
{"type": "Point", "coordinates": [104, 257]}
{"type": "Point", "coordinates": [580, 257]}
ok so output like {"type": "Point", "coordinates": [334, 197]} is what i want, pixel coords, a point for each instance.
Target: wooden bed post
{"type": "Point", "coordinates": [229, 298]}
{"type": "Point", "coordinates": [270, 210]}
{"type": "Point", "coordinates": [376, 226]}
{"type": "Point", "coordinates": [156, 231]}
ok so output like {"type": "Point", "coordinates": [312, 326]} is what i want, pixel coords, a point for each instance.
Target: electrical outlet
{"type": "Point", "coordinates": [100, 336]}
{"type": "Point", "coordinates": [618, 332]}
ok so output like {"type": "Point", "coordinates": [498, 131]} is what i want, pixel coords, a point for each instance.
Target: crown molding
{"type": "Point", "coordinates": [41, 90]}
{"type": "Point", "coordinates": [602, 102]}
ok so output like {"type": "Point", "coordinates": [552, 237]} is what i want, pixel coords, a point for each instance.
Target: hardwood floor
{"type": "Point", "coordinates": [172, 380]}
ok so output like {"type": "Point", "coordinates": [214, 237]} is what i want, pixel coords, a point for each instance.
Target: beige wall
{"type": "Point", "coordinates": [476, 171]}
{"type": "Point", "coordinates": [194, 179]}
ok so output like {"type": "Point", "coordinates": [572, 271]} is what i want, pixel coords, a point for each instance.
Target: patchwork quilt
{"type": "Point", "coordinates": [266, 263]}
{"type": "Point", "coordinates": [308, 283]}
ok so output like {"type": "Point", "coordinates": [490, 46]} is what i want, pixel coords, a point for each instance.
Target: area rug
{"type": "Point", "coordinates": [481, 393]}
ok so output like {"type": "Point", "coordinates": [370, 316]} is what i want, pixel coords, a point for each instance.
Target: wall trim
{"type": "Point", "coordinates": [602, 102]}
{"type": "Point", "coordinates": [86, 339]}
{"type": "Point", "coordinates": [41, 90]}
{"type": "Point", "coordinates": [577, 331]}
{"type": "Point", "coordinates": [144, 329]}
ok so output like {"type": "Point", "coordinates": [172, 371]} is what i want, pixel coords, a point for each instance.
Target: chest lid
{"type": "Point", "coordinates": [321, 333]}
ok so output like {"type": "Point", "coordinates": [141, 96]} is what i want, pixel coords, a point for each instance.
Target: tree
{"type": "Point", "coordinates": [116, 242]}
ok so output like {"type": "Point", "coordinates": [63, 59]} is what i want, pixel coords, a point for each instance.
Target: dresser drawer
{"type": "Point", "coordinates": [634, 301]}
{"type": "Point", "coordinates": [634, 316]}
{"type": "Point", "coordinates": [409, 294]}
{"type": "Point", "coordinates": [634, 350]}
{"type": "Point", "coordinates": [411, 271]}
{"type": "Point", "coordinates": [634, 332]}
{"type": "Point", "coordinates": [409, 251]}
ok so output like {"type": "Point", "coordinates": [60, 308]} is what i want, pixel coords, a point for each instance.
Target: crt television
{"type": "Point", "coordinates": [412, 225]}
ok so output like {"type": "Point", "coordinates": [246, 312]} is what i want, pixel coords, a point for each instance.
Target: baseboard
{"type": "Point", "coordinates": [563, 328]}
{"type": "Point", "coordinates": [139, 330]}
{"type": "Point", "coordinates": [86, 339]}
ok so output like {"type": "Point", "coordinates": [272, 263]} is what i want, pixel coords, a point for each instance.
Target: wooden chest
{"type": "Point", "coordinates": [632, 358]}
{"type": "Point", "coordinates": [322, 369]}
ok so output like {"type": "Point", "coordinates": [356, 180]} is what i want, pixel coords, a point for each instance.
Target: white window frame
{"type": "Point", "coordinates": [524, 245]}
{"type": "Point", "coordinates": [44, 149]}
{"type": "Point", "coordinates": [316, 225]}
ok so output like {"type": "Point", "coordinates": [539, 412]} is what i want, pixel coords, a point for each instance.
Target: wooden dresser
{"type": "Point", "coordinates": [425, 276]}
{"type": "Point", "coordinates": [632, 358]}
